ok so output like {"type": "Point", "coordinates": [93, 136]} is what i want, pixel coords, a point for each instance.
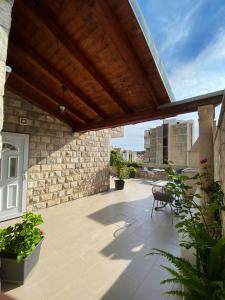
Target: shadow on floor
{"type": "Point", "coordinates": [134, 237]}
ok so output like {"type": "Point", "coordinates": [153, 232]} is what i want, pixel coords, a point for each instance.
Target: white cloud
{"type": "Point", "coordinates": [178, 29]}
{"type": "Point", "coordinates": [205, 73]}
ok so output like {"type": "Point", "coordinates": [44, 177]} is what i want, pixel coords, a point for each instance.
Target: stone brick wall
{"type": "Point", "coordinates": [117, 132]}
{"type": "Point", "coordinates": [5, 22]}
{"type": "Point", "coordinates": [219, 156]}
{"type": "Point", "coordinates": [151, 175]}
{"type": "Point", "coordinates": [63, 166]}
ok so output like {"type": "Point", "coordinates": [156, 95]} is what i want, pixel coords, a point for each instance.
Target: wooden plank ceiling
{"type": "Point", "coordinates": [89, 56]}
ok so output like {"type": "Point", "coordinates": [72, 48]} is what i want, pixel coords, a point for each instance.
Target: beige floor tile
{"type": "Point", "coordinates": [95, 248]}
{"type": "Point", "coordinates": [123, 289]}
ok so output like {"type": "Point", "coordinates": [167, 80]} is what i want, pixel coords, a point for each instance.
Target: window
{"type": "Point", "coordinates": [12, 171]}
{"type": "Point", "coordinates": [7, 146]}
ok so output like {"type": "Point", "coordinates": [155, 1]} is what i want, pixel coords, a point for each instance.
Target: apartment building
{"type": "Point", "coordinates": [170, 141]}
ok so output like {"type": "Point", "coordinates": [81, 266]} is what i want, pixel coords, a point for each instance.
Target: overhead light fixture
{"type": "Point", "coordinates": [8, 70]}
{"type": "Point", "coordinates": [63, 87]}
{"type": "Point", "coordinates": [62, 109]}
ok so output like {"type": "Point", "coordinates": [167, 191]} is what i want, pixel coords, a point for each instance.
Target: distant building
{"type": "Point", "coordinates": [193, 156]}
{"type": "Point", "coordinates": [169, 142]}
{"type": "Point", "coordinates": [130, 155]}
{"type": "Point", "coordinates": [140, 156]}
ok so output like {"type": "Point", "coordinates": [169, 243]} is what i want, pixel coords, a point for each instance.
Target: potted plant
{"type": "Point", "coordinates": [119, 168]}
{"type": "Point", "coordinates": [20, 248]}
{"type": "Point", "coordinates": [132, 172]}
{"type": "Point", "coordinates": [200, 226]}
{"type": "Point", "coordinates": [121, 174]}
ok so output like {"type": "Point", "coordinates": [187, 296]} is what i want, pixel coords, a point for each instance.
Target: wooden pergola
{"type": "Point", "coordinates": [95, 59]}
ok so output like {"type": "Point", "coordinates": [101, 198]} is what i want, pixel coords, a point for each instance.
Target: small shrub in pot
{"type": "Point", "coordinates": [20, 247]}
{"type": "Point", "coordinates": [132, 172]}
{"type": "Point", "coordinates": [120, 170]}
{"type": "Point", "coordinates": [122, 173]}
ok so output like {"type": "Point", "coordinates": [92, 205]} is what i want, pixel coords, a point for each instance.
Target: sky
{"type": "Point", "coordinates": [189, 36]}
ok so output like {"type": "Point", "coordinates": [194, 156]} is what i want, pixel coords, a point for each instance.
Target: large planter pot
{"type": "Point", "coordinates": [17, 272]}
{"type": "Point", "coordinates": [132, 175]}
{"type": "Point", "coordinates": [119, 184]}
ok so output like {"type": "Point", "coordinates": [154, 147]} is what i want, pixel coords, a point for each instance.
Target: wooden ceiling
{"type": "Point", "coordinates": [90, 56]}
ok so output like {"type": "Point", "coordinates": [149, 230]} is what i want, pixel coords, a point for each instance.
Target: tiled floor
{"type": "Point", "coordinates": [95, 248]}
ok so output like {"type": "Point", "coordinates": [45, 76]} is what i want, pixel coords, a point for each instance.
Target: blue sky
{"type": "Point", "coordinates": [190, 38]}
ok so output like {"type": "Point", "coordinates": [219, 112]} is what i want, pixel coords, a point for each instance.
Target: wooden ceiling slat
{"type": "Point", "coordinates": [49, 94]}
{"type": "Point", "coordinates": [109, 22]}
{"type": "Point", "coordinates": [51, 71]}
{"type": "Point", "coordinates": [15, 83]}
{"type": "Point", "coordinates": [37, 9]}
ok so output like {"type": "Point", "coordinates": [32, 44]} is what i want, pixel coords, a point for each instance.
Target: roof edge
{"type": "Point", "coordinates": [151, 45]}
{"type": "Point", "coordinates": [194, 99]}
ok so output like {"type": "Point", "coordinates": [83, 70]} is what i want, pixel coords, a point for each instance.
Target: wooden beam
{"type": "Point", "coordinates": [15, 83]}
{"type": "Point", "coordinates": [123, 120]}
{"type": "Point", "coordinates": [38, 10]}
{"type": "Point", "coordinates": [193, 103]}
{"type": "Point", "coordinates": [47, 93]}
{"type": "Point", "coordinates": [51, 71]}
{"type": "Point", "coordinates": [164, 111]}
{"type": "Point", "coordinates": [110, 24]}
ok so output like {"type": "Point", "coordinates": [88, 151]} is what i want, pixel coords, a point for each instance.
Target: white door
{"type": "Point", "coordinates": [13, 175]}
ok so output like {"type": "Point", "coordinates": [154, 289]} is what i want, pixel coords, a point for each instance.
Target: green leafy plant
{"type": "Point", "coordinates": [122, 172]}
{"type": "Point", "coordinates": [134, 164]}
{"type": "Point", "coordinates": [20, 240]}
{"type": "Point", "coordinates": [119, 165]}
{"type": "Point", "coordinates": [200, 226]}
{"type": "Point", "coordinates": [116, 158]}
{"type": "Point", "coordinates": [132, 171]}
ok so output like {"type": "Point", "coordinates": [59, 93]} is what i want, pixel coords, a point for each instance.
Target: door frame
{"type": "Point", "coordinates": [25, 171]}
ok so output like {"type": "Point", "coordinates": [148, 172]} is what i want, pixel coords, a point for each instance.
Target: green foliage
{"type": "Point", "coordinates": [200, 226]}
{"type": "Point", "coordinates": [116, 158]}
{"type": "Point", "coordinates": [134, 164]}
{"type": "Point", "coordinates": [132, 171]}
{"type": "Point", "coordinates": [199, 286]}
{"type": "Point", "coordinates": [122, 172]}
{"type": "Point", "coordinates": [118, 164]}
{"type": "Point", "coordinates": [19, 240]}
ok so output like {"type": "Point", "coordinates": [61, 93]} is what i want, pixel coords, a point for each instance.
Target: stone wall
{"type": "Point", "coordinates": [5, 22]}
{"type": "Point", "coordinates": [117, 132]}
{"type": "Point", "coordinates": [152, 175]}
{"type": "Point", "coordinates": [193, 156]}
{"type": "Point", "coordinates": [63, 166]}
{"type": "Point", "coordinates": [219, 155]}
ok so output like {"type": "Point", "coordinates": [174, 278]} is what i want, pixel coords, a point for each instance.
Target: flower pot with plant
{"type": "Point", "coordinates": [132, 172]}
{"type": "Point", "coordinates": [20, 246]}
{"type": "Point", "coordinates": [120, 170]}
{"type": "Point", "coordinates": [200, 225]}
{"type": "Point", "coordinates": [121, 174]}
